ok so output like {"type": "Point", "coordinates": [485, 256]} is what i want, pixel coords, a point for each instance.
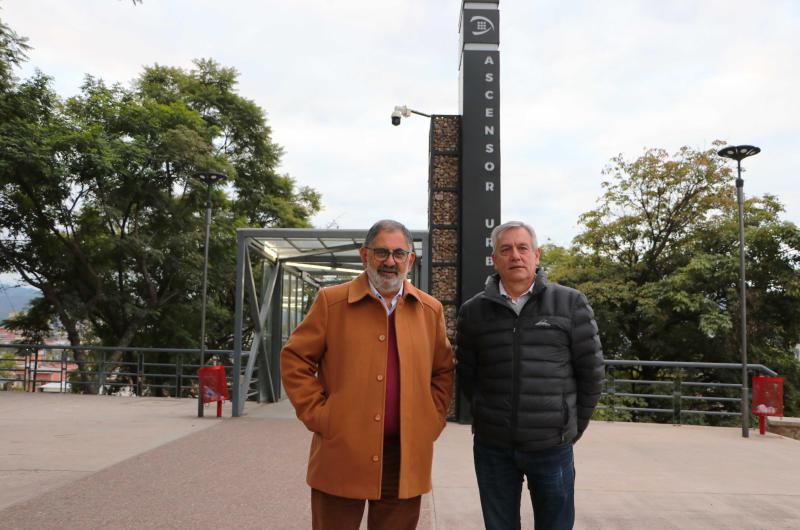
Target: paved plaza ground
{"type": "Point", "coordinates": [70, 461]}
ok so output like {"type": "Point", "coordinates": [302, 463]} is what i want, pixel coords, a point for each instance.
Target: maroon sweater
{"type": "Point", "coordinates": [391, 413]}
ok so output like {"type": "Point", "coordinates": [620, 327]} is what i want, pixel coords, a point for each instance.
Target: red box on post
{"type": "Point", "coordinates": [767, 399]}
{"type": "Point", "coordinates": [213, 385]}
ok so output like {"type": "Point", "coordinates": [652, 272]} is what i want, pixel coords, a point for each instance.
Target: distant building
{"type": "Point", "coordinates": [6, 336]}
{"type": "Point", "coordinates": [26, 369]}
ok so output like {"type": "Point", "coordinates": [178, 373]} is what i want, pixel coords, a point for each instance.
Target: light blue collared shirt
{"type": "Point", "coordinates": [519, 303]}
{"type": "Point", "coordinates": [392, 303]}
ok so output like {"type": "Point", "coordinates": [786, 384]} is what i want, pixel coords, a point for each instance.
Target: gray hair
{"type": "Point", "coordinates": [513, 224]}
{"type": "Point", "coordinates": [389, 226]}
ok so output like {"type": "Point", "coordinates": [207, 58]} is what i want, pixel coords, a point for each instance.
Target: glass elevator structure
{"type": "Point", "coordinates": [278, 273]}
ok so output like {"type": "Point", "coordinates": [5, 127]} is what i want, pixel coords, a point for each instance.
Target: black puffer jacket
{"type": "Point", "coordinates": [533, 380]}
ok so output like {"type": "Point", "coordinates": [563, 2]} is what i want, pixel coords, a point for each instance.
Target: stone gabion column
{"type": "Point", "coordinates": [444, 205]}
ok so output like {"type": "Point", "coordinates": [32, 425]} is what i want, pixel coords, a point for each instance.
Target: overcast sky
{"type": "Point", "coordinates": [580, 83]}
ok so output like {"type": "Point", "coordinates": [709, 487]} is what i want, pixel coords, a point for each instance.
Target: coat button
{"type": "Point", "coordinates": [375, 458]}
{"type": "Point", "coordinates": [377, 417]}
{"type": "Point", "coordinates": [381, 338]}
{"type": "Point", "coordinates": [379, 377]}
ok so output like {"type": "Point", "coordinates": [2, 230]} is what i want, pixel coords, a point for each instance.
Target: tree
{"type": "Point", "coordinates": [658, 259]}
{"type": "Point", "coordinates": [12, 54]}
{"type": "Point", "coordinates": [99, 210]}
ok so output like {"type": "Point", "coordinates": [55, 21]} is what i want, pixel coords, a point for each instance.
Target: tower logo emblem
{"type": "Point", "coordinates": [481, 25]}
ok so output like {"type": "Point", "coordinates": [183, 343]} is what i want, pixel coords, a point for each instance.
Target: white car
{"type": "Point", "coordinates": [55, 387]}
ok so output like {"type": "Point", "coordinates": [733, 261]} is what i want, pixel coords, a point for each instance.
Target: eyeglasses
{"type": "Point", "coordinates": [382, 254]}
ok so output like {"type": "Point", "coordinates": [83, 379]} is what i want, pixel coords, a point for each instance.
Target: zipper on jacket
{"type": "Point", "coordinates": [515, 376]}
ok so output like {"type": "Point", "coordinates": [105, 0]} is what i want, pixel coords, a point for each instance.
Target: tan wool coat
{"type": "Point", "coordinates": [333, 370]}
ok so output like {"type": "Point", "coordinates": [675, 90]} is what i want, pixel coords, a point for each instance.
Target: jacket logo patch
{"type": "Point", "coordinates": [543, 324]}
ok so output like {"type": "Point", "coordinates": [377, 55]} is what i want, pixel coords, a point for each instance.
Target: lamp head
{"type": "Point", "coordinates": [739, 152]}
{"type": "Point", "coordinates": [210, 177]}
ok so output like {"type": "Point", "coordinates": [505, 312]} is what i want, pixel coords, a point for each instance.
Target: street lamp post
{"type": "Point", "coordinates": [739, 153]}
{"type": "Point", "coordinates": [210, 178]}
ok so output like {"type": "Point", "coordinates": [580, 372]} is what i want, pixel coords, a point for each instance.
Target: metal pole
{"type": "Point", "coordinates": [241, 255]}
{"type": "Point", "coordinates": [203, 306]}
{"type": "Point", "coordinates": [743, 303]}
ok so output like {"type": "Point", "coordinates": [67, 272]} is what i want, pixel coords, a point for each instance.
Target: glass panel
{"type": "Point", "coordinates": [292, 302]}
{"type": "Point", "coordinates": [285, 310]}
{"type": "Point", "coordinates": [337, 242]}
{"type": "Point", "coordinates": [306, 244]}
{"type": "Point", "coordinates": [298, 302]}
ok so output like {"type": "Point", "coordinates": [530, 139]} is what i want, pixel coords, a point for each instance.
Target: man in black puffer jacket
{"type": "Point", "coordinates": [531, 364]}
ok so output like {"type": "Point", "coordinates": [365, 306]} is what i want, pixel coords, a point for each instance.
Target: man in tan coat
{"type": "Point", "coordinates": [370, 372]}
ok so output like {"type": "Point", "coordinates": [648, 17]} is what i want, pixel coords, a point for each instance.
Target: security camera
{"type": "Point", "coordinates": [404, 112]}
{"type": "Point", "coordinates": [399, 112]}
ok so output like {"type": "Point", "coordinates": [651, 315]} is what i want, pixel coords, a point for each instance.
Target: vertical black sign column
{"type": "Point", "coordinates": [480, 136]}
{"type": "Point", "coordinates": [480, 151]}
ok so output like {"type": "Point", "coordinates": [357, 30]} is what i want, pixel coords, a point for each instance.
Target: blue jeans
{"type": "Point", "coordinates": [551, 481]}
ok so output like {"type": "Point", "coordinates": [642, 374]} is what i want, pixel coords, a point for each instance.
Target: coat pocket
{"type": "Point", "coordinates": [323, 421]}
{"type": "Point", "coordinates": [441, 423]}
{"type": "Point", "coordinates": [436, 423]}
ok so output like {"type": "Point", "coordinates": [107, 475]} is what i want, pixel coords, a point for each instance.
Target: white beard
{"type": "Point", "coordinates": [385, 284]}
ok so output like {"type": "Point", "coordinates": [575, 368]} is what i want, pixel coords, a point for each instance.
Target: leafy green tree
{"type": "Point", "coordinates": [658, 258]}
{"type": "Point", "coordinates": [99, 209]}
{"type": "Point", "coordinates": [33, 325]}
{"type": "Point", "coordinates": [12, 54]}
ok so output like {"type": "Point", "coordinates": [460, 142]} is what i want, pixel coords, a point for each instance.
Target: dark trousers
{"type": "Point", "coordinates": [329, 512]}
{"type": "Point", "coordinates": [551, 481]}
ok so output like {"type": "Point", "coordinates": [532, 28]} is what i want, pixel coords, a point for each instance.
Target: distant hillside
{"type": "Point", "coordinates": [15, 299]}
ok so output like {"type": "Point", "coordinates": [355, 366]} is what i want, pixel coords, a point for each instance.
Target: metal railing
{"type": "Point", "coordinates": [105, 370]}
{"type": "Point", "coordinates": [677, 389]}
{"type": "Point", "coordinates": [632, 388]}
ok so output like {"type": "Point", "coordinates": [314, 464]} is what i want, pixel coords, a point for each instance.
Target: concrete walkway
{"type": "Point", "coordinates": [106, 462]}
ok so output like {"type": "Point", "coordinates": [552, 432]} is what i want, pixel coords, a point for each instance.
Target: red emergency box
{"type": "Point", "coordinates": [213, 385]}
{"type": "Point", "coordinates": [767, 399]}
